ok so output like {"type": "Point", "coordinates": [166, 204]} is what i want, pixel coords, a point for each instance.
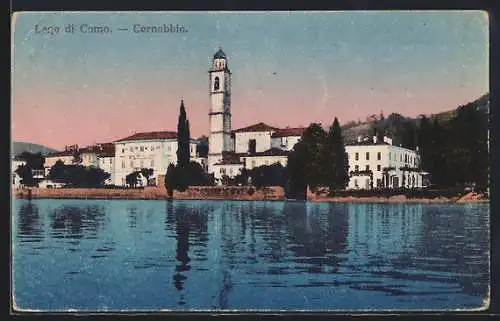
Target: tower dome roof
{"type": "Point", "coordinates": [220, 54]}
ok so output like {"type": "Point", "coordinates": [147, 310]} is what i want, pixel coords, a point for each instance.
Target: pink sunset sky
{"type": "Point", "coordinates": [289, 69]}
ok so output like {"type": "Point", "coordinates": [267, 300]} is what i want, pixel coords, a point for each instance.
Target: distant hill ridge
{"type": "Point", "coordinates": [19, 147]}
{"type": "Point", "coordinates": [352, 129]}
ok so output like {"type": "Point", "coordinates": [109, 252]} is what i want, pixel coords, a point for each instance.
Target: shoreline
{"type": "Point", "coordinates": [231, 193]}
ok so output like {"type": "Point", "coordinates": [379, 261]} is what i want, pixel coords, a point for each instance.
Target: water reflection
{"type": "Point", "coordinates": [29, 225]}
{"type": "Point", "coordinates": [191, 235]}
{"type": "Point", "coordinates": [72, 221]}
{"type": "Point", "coordinates": [226, 255]}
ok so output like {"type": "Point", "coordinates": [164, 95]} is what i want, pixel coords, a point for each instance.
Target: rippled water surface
{"type": "Point", "coordinates": [143, 255]}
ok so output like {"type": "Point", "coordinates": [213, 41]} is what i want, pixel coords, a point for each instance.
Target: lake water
{"type": "Point", "coordinates": [185, 255]}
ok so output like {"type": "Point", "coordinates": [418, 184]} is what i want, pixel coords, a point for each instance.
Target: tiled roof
{"type": "Point", "coordinates": [260, 127]}
{"type": "Point", "coordinates": [150, 136]}
{"type": "Point", "coordinates": [285, 132]}
{"type": "Point", "coordinates": [270, 152]}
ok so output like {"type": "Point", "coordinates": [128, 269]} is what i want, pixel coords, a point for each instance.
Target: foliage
{"type": "Point", "coordinates": [26, 175]}
{"type": "Point", "coordinates": [170, 180]}
{"type": "Point", "coordinates": [262, 176]}
{"type": "Point", "coordinates": [183, 138]}
{"type": "Point", "coordinates": [147, 173]}
{"type": "Point", "coordinates": [318, 159]}
{"type": "Point", "coordinates": [337, 159]}
{"type": "Point", "coordinates": [34, 161]}
{"type": "Point", "coordinates": [132, 179]}
{"type": "Point", "coordinates": [77, 175]}
{"type": "Point", "coordinates": [455, 151]}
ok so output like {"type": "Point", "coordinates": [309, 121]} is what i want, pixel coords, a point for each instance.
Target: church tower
{"type": "Point", "coordinates": [219, 139]}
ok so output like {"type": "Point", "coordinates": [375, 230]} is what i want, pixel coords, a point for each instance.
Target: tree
{"type": "Point", "coordinates": [170, 180]}
{"type": "Point", "coordinates": [26, 175]}
{"type": "Point", "coordinates": [308, 161]}
{"type": "Point", "coordinates": [337, 158]}
{"type": "Point", "coordinates": [34, 161]}
{"type": "Point", "coordinates": [132, 179]}
{"type": "Point", "coordinates": [57, 172]}
{"type": "Point", "coordinates": [77, 175]}
{"type": "Point", "coordinates": [198, 176]}
{"type": "Point", "coordinates": [183, 138]}
{"type": "Point", "coordinates": [147, 173]}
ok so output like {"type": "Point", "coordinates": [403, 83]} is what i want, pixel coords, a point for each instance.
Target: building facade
{"type": "Point", "coordinates": [154, 150]}
{"type": "Point", "coordinates": [379, 164]}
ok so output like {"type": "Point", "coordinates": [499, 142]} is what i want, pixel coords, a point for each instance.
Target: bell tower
{"type": "Point", "coordinates": [219, 139]}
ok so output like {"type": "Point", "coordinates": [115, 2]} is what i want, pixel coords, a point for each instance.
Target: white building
{"type": "Point", "coordinates": [379, 164]}
{"type": "Point", "coordinates": [154, 150]}
{"type": "Point", "coordinates": [106, 160]}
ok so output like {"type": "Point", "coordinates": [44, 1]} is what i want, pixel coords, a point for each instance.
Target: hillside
{"type": "Point", "coordinates": [352, 130]}
{"type": "Point", "coordinates": [19, 147]}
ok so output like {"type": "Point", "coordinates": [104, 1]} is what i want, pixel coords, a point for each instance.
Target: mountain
{"type": "Point", "coordinates": [394, 121]}
{"type": "Point", "coordinates": [19, 147]}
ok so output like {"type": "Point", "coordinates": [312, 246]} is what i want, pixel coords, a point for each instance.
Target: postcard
{"type": "Point", "coordinates": [250, 161]}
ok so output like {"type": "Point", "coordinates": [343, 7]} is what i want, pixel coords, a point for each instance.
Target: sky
{"type": "Point", "coordinates": [288, 69]}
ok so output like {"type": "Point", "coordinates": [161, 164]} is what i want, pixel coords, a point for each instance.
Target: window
{"type": "Point", "coordinates": [356, 156]}
{"type": "Point", "coordinates": [253, 163]}
{"type": "Point", "coordinates": [355, 182]}
{"type": "Point", "coordinates": [379, 156]}
{"type": "Point", "coordinates": [123, 150]}
{"type": "Point", "coordinates": [111, 161]}
{"type": "Point", "coordinates": [152, 163]}
{"type": "Point", "coordinates": [169, 148]}
{"type": "Point", "coordinates": [131, 149]}
{"type": "Point", "coordinates": [378, 168]}
{"type": "Point", "coordinates": [356, 168]}
{"type": "Point", "coordinates": [142, 163]}
{"type": "Point", "coordinates": [230, 171]}
{"type": "Point", "coordinates": [367, 156]}
{"type": "Point", "coordinates": [123, 164]}
{"type": "Point", "coordinates": [136, 148]}
{"type": "Point", "coordinates": [142, 148]}
{"type": "Point", "coordinates": [367, 167]}
{"type": "Point", "coordinates": [216, 83]}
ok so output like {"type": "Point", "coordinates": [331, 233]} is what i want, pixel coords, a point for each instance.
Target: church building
{"type": "Point", "coordinates": [229, 151]}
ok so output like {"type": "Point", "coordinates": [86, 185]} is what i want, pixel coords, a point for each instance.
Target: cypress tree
{"type": "Point", "coordinates": [183, 138]}
{"type": "Point", "coordinates": [338, 161]}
